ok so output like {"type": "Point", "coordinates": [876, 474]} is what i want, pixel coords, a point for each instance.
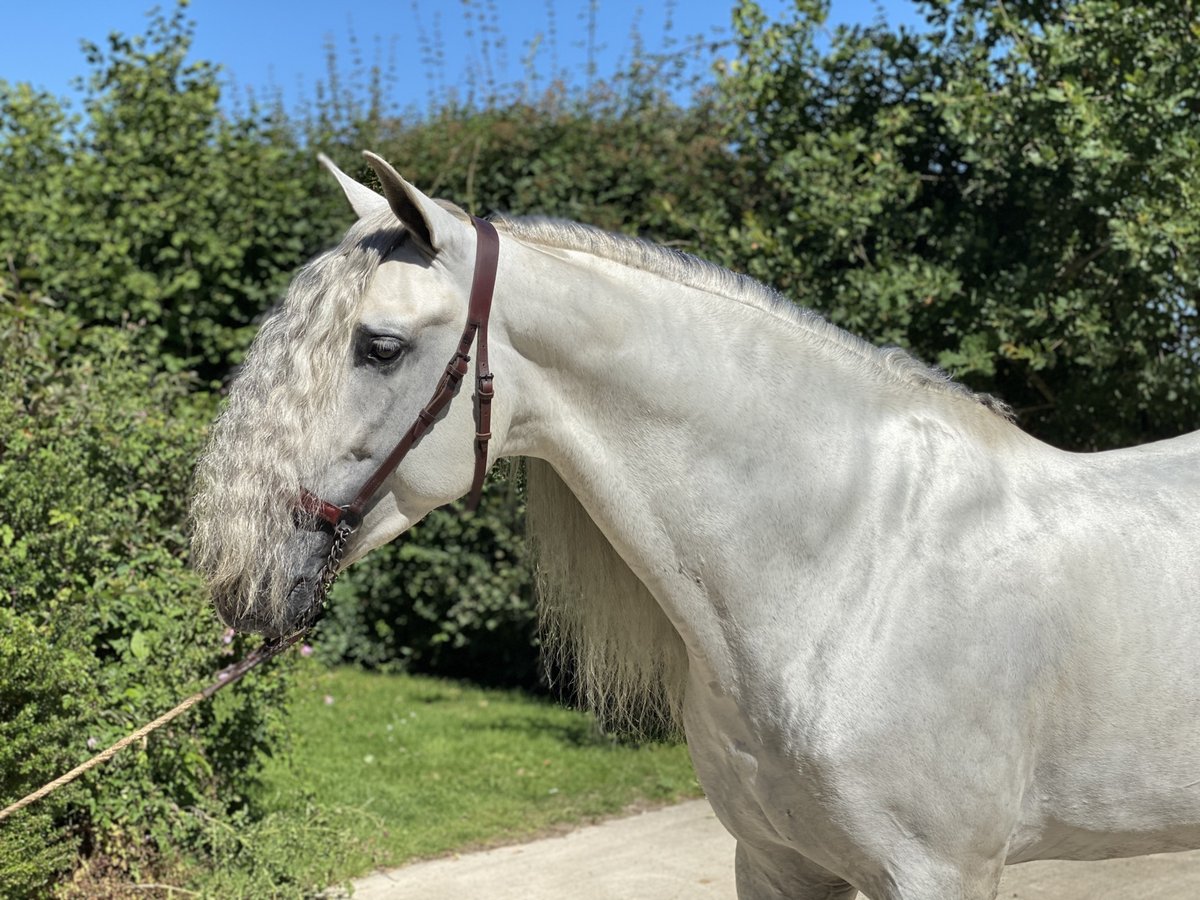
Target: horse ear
{"type": "Point", "coordinates": [427, 221]}
{"type": "Point", "coordinates": [362, 199]}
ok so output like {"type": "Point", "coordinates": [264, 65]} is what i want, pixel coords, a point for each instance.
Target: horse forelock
{"type": "Point", "coordinates": [270, 439]}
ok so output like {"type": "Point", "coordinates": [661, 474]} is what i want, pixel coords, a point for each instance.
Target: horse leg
{"type": "Point", "coordinates": [782, 874]}
{"type": "Point", "coordinates": [921, 877]}
{"type": "Point", "coordinates": [778, 873]}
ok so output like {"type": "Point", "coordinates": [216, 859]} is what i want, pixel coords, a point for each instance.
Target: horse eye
{"type": "Point", "coordinates": [385, 348]}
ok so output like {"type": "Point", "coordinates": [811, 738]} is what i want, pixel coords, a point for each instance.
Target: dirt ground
{"type": "Point", "coordinates": [683, 853]}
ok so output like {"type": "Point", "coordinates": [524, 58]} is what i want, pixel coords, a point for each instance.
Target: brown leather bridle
{"type": "Point", "coordinates": [346, 519]}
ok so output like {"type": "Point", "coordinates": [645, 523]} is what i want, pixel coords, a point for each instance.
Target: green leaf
{"type": "Point", "coordinates": [138, 646]}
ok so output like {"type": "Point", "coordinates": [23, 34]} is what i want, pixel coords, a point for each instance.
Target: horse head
{"type": "Point", "coordinates": [339, 375]}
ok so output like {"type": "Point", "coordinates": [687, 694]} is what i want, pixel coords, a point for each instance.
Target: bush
{"type": "Point", "coordinates": [453, 596]}
{"type": "Point", "coordinates": [155, 207]}
{"type": "Point", "coordinates": [624, 162]}
{"type": "Point", "coordinates": [1009, 193]}
{"type": "Point", "coordinates": [102, 625]}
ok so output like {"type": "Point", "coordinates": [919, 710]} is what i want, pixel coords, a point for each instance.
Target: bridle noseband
{"type": "Point", "coordinates": [345, 519]}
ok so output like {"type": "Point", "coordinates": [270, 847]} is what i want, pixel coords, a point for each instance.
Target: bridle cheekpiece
{"type": "Point", "coordinates": [345, 520]}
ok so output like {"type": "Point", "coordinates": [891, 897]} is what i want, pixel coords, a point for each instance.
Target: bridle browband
{"type": "Point", "coordinates": [346, 519]}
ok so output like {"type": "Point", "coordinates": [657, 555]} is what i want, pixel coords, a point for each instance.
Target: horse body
{"type": "Point", "coordinates": [913, 642]}
{"type": "Point", "coordinates": [1006, 690]}
{"type": "Point", "coordinates": [902, 622]}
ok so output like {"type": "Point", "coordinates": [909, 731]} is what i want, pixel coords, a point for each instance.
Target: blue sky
{"type": "Point", "coordinates": [268, 45]}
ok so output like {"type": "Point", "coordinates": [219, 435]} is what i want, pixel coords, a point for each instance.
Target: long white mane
{"type": "Point", "coordinates": [269, 440]}
{"type": "Point", "coordinates": [598, 620]}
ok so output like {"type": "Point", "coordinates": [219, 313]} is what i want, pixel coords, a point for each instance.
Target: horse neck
{"type": "Point", "coordinates": [701, 433]}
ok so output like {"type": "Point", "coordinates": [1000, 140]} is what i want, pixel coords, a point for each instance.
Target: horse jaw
{"type": "Point", "coordinates": [283, 616]}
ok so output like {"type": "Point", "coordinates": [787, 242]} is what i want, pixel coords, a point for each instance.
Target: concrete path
{"type": "Point", "coordinates": [683, 853]}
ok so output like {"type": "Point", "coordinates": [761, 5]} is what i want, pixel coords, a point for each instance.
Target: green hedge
{"type": "Point", "coordinates": [1009, 191]}
{"type": "Point", "coordinates": [154, 206]}
{"type": "Point", "coordinates": [453, 596]}
{"type": "Point", "coordinates": [102, 625]}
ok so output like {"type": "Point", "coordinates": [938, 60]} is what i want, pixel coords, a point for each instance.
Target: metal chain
{"type": "Point", "coordinates": [329, 573]}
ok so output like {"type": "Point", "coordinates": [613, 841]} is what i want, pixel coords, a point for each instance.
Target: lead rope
{"type": "Point", "coordinates": [227, 676]}
{"type": "Point", "coordinates": [479, 307]}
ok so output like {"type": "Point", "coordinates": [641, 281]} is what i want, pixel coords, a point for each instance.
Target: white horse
{"type": "Point", "coordinates": [907, 643]}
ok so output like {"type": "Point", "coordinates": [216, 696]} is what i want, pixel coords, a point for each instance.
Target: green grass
{"type": "Point", "coordinates": [386, 769]}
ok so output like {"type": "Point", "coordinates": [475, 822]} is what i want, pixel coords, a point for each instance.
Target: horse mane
{"type": "Point", "coordinates": [893, 363]}
{"type": "Point", "coordinates": [599, 622]}
{"type": "Point", "coordinates": [254, 465]}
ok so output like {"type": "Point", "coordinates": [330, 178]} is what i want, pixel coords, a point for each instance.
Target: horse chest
{"type": "Point", "coordinates": [761, 778]}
